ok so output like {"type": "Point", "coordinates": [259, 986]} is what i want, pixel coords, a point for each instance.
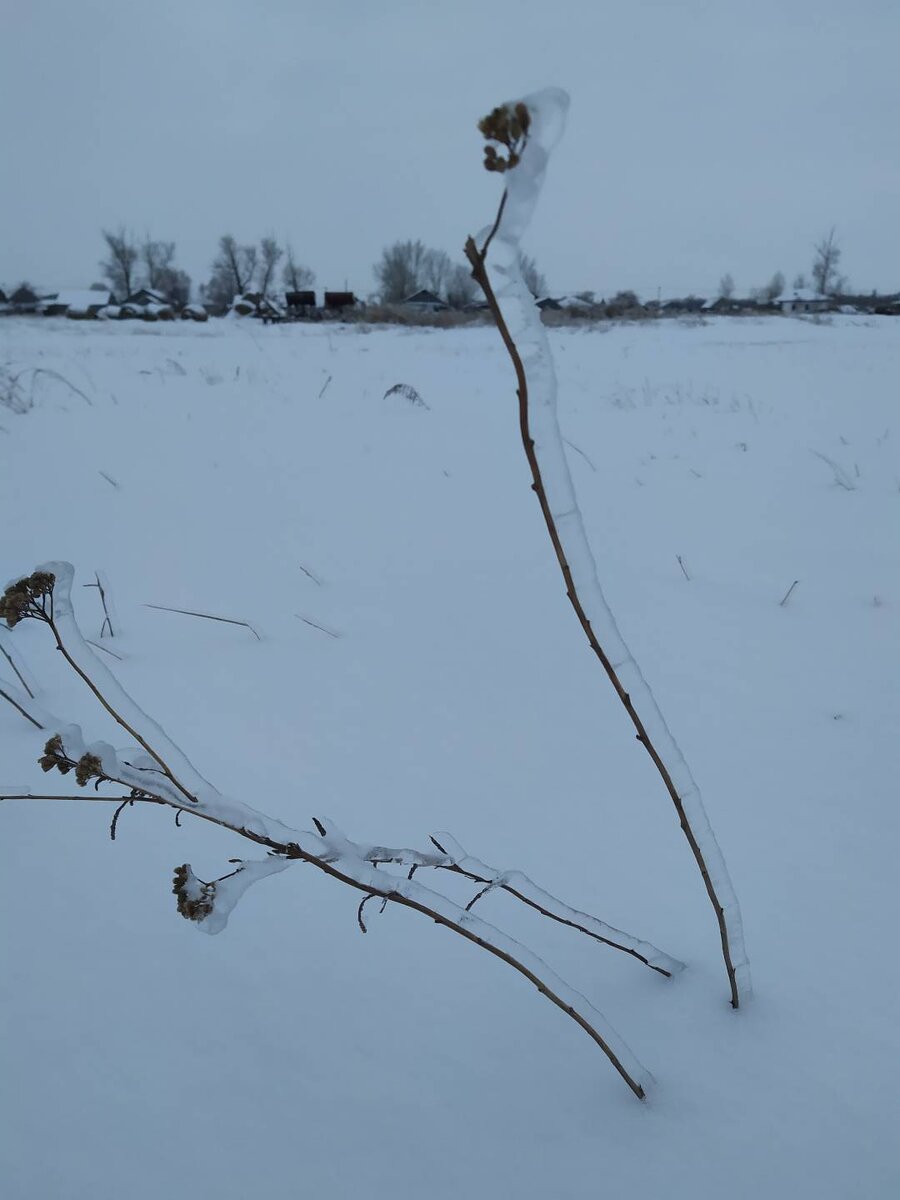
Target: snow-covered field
{"type": "Point", "coordinates": [418, 669]}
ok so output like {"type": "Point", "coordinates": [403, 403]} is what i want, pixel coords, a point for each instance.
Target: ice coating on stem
{"type": "Point", "coordinates": [227, 891]}
{"type": "Point", "coordinates": [548, 109]}
{"type": "Point", "coordinates": [518, 882]}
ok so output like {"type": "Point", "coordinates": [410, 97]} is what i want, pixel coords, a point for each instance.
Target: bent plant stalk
{"type": "Point", "coordinates": [528, 131]}
{"type": "Point", "coordinates": [174, 782]}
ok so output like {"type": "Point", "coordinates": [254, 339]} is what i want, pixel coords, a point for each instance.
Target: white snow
{"type": "Point", "coordinates": [203, 467]}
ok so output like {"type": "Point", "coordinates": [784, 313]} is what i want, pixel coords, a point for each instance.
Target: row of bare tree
{"type": "Point", "coordinates": [409, 267]}
{"type": "Point", "coordinates": [826, 277]}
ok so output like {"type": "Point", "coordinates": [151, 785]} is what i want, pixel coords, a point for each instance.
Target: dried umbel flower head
{"type": "Point", "coordinates": [88, 767]}
{"type": "Point", "coordinates": [508, 125]}
{"type": "Point", "coordinates": [27, 598]}
{"type": "Point", "coordinates": [195, 898]}
{"type": "Point", "coordinates": [55, 756]}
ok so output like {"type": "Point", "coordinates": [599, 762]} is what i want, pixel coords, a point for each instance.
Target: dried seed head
{"type": "Point", "coordinates": [21, 599]}
{"type": "Point", "coordinates": [195, 898]}
{"type": "Point", "coordinates": [508, 125]}
{"type": "Point", "coordinates": [88, 767]}
{"type": "Point", "coordinates": [55, 756]}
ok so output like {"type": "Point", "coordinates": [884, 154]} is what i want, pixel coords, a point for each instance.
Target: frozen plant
{"type": "Point", "coordinates": [154, 770]}
{"type": "Point", "coordinates": [520, 137]}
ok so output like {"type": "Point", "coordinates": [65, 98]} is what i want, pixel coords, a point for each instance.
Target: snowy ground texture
{"type": "Point", "coordinates": [261, 474]}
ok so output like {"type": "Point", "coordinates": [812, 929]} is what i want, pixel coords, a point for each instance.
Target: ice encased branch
{"type": "Point", "coordinates": [548, 110]}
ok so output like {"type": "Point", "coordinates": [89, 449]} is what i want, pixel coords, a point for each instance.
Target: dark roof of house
{"type": "Point", "coordinates": [423, 296]}
{"type": "Point", "coordinates": [23, 295]}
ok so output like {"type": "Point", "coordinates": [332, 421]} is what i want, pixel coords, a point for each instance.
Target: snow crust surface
{"type": "Point", "coordinates": [205, 468]}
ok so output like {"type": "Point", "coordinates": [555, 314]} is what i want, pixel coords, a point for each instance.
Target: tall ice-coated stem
{"type": "Point", "coordinates": [495, 266]}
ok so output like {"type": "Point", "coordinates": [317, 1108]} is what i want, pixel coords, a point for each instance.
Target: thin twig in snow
{"type": "Point", "coordinates": [310, 575]}
{"type": "Point", "coordinates": [105, 649]}
{"type": "Point", "coordinates": [578, 450]}
{"type": "Point", "coordinates": [187, 612]}
{"type": "Point", "coordinates": [683, 567]}
{"type": "Point", "coordinates": [106, 617]}
{"type": "Point", "coordinates": [331, 632]}
{"type": "Point", "coordinates": [784, 599]}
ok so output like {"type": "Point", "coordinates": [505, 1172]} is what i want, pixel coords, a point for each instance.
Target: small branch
{"type": "Point", "coordinates": [18, 673]}
{"type": "Point", "coordinates": [359, 912]}
{"type": "Point", "coordinates": [684, 569]}
{"type": "Point", "coordinates": [784, 599]}
{"type": "Point", "coordinates": [27, 715]}
{"type": "Point", "coordinates": [324, 387]}
{"type": "Point", "coordinates": [187, 612]}
{"type": "Point", "coordinates": [115, 820]}
{"type": "Point", "coordinates": [109, 479]}
{"type": "Point", "coordinates": [484, 891]}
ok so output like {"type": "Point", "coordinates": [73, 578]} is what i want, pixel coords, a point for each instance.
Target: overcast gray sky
{"type": "Point", "coordinates": [705, 136]}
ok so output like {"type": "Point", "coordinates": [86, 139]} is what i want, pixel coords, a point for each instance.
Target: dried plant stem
{"type": "Point", "coordinates": [27, 715]}
{"type": "Point", "coordinates": [787, 595]}
{"type": "Point", "coordinates": [18, 673]}
{"type": "Point", "coordinates": [187, 612]}
{"type": "Point", "coordinates": [465, 925]}
{"type": "Point", "coordinates": [107, 622]}
{"type": "Point", "coordinates": [477, 258]}
{"type": "Point", "coordinates": [117, 717]}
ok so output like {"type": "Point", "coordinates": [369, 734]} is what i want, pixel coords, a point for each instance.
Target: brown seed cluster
{"type": "Point", "coordinates": [195, 898]}
{"type": "Point", "coordinates": [507, 124]}
{"type": "Point", "coordinates": [87, 767]}
{"type": "Point", "coordinates": [26, 598]}
{"type": "Point", "coordinates": [55, 756]}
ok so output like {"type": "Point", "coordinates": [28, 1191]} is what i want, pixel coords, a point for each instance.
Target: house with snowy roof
{"type": "Point", "coordinates": [144, 296]}
{"type": "Point", "coordinates": [802, 300]}
{"type": "Point", "coordinates": [24, 300]}
{"type": "Point", "coordinates": [424, 301]}
{"type": "Point", "coordinates": [75, 302]}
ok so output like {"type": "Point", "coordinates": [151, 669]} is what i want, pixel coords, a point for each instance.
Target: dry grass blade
{"type": "Point", "coordinates": [324, 628]}
{"type": "Point", "coordinates": [407, 392]}
{"type": "Point", "coordinates": [787, 595]}
{"type": "Point", "coordinates": [189, 612]}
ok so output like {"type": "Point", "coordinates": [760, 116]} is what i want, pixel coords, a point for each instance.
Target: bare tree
{"type": "Point", "coordinates": [623, 302]}
{"type": "Point", "coordinates": [157, 257]}
{"type": "Point", "coordinates": [534, 280]}
{"type": "Point", "coordinates": [400, 271]}
{"type": "Point", "coordinates": [799, 282]}
{"type": "Point", "coordinates": [436, 271]}
{"type": "Point", "coordinates": [825, 274]}
{"type": "Point", "coordinates": [461, 288]}
{"type": "Point", "coordinates": [295, 276]}
{"type": "Point", "coordinates": [773, 288]}
{"type": "Point", "coordinates": [119, 266]}
{"type": "Point", "coordinates": [270, 254]}
{"type": "Point", "coordinates": [162, 275]}
{"type": "Point", "coordinates": [233, 270]}
{"type": "Point", "coordinates": [726, 287]}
